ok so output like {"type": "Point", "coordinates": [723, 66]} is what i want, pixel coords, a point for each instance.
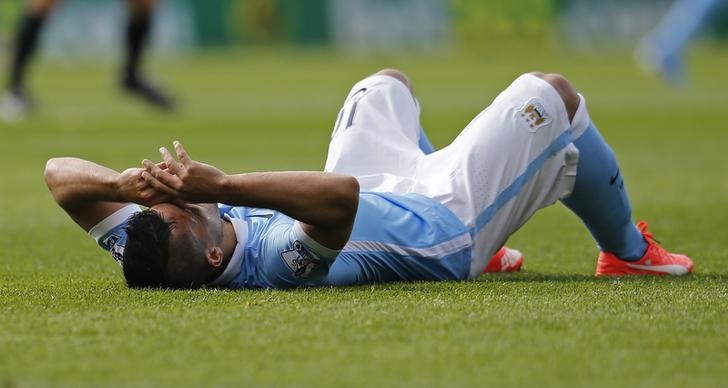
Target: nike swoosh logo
{"type": "Point", "coordinates": [672, 269]}
{"type": "Point", "coordinates": [614, 178]}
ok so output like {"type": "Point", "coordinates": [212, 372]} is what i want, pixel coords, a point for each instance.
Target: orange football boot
{"type": "Point", "coordinates": [505, 260]}
{"type": "Point", "coordinates": [655, 261]}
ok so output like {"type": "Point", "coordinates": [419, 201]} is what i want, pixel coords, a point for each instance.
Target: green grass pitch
{"type": "Point", "coordinates": [68, 320]}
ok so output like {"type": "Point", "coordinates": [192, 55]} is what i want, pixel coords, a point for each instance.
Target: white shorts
{"type": "Point", "coordinates": [514, 158]}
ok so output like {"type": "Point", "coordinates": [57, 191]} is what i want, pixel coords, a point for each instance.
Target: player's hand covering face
{"type": "Point", "coordinates": [184, 179]}
{"type": "Point", "coordinates": [136, 189]}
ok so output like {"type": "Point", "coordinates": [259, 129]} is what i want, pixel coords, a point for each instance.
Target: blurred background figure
{"type": "Point", "coordinates": [409, 30]}
{"type": "Point", "coordinates": [661, 50]}
{"type": "Point", "coordinates": [16, 102]}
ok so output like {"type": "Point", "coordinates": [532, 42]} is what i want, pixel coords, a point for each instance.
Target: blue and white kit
{"type": "Point", "coordinates": [395, 237]}
{"type": "Point", "coordinates": [422, 215]}
{"type": "Point", "coordinates": [515, 157]}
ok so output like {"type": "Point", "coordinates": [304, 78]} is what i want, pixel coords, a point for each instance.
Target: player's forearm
{"type": "Point", "coordinates": [74, 182]}
{"type": "Point", "coordinates": [317, 198]}
{"type": "Point", "coordinates": [325, 203]}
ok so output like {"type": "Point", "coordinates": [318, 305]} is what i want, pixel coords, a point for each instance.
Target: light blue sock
{"type": "Point", "coordinates": [600, 198]}
{"type": "Point", "coordinates": [424, 143]}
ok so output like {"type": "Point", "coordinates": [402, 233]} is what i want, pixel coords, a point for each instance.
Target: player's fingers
{"type": "Point", "coordinates": [156, 184]}
{"type": "Point", "coordinates": [181, 153]}
{"type": "Point", "coordinates": [150, 166]}
{"type": "Point", "coordinates": [163, 166]}
{"type": "Point", "coordinates": [172, 164]}
{"type": "Point", "coordinates": [160, 175]}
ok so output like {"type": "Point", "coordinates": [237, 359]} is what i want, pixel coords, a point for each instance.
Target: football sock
{"type": "Point", "coordinates": [137, 32]}
{"type": "Point", "coordinates": [424, 143]}
{"type": "Point", "coordinates": [600, 198]}
{"type": "Point", "coordinates": [25, 43]}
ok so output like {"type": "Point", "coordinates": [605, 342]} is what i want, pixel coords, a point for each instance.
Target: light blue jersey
{"type": "Point", "coordinates": [402, 237]}
{"type": "Point", "coordinates": [395, 237]}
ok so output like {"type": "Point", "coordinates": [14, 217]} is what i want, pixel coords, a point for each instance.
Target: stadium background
{"type": "Point", "coordinates": [358, 25]}
{"type": "Point", "coordinates": [259, 83]}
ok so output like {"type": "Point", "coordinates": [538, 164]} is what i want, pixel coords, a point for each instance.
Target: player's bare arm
{"type": "Point", "coordinates": [325, 203]}
{"type": "Point", "coordinates": [89, 192]}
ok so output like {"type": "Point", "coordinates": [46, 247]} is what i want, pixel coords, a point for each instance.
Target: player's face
{"type": "Point", "coordinates": [194, 228]}
{"type": "Point", "coordinates": [195, 222]}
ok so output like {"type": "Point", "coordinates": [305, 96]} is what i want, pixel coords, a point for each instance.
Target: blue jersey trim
{"type": "Point", "coordinates": [511, 191]}
{"type": "Point", "coordinates": [434, 250]}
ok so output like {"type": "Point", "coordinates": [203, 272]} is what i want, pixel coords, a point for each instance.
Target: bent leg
{"type": "Point", "coordinates": [512, 159]}
{"type": "Point", "coordinates": [423, 142]}
{"type": "Point", "coordinates": [377, 133]}
{"type": "Point", "coordinates": [600, 198]}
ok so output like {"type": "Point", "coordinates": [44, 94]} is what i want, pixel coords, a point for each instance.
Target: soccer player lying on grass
{"type": "Point", "coordinates": [387, 208]}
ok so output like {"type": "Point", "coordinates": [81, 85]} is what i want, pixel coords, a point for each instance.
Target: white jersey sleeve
{"type": "Point", "coordinates": [110, 233]}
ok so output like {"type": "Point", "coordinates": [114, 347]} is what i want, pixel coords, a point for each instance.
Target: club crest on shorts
{"type": "Point", "coordinates": [299, 260]}
{"type": "Point", "coordinates": [535, 115]}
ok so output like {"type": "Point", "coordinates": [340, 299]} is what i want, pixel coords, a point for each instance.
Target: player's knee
{"type": "Point", "coordinates": [398, 75]}
{"type": "Point", "coordinates": [565, 89]}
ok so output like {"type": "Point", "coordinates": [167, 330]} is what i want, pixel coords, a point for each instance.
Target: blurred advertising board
{"type": "Point", "coordinates": [95, 27]}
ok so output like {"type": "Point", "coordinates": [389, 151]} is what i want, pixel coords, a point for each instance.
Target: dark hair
{"type": "Point", "coordinates": [146, 253]}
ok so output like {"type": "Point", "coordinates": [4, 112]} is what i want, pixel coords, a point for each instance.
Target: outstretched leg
{"type": "Point", "coordinates": [137, 35]}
